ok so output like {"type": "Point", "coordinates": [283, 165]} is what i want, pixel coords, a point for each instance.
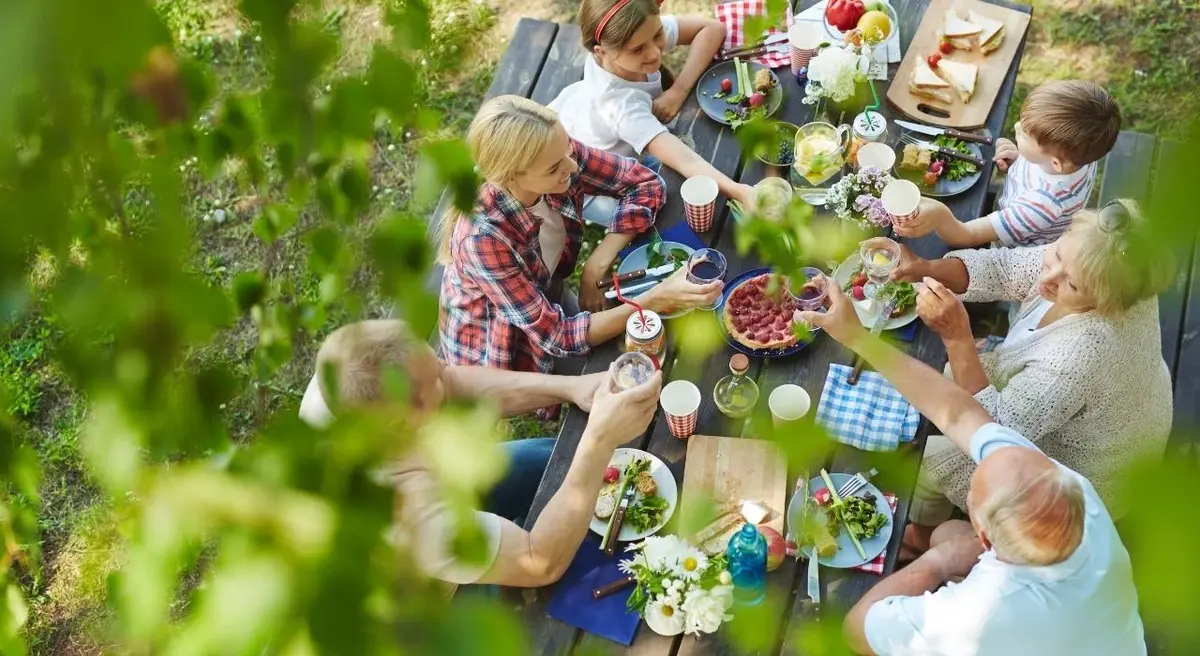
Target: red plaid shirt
{"type": "Point", "coordinates": [495, 312]}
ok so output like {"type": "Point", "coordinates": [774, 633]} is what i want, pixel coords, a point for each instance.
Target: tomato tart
{"type": "Point", "coordinates": [759, 313]}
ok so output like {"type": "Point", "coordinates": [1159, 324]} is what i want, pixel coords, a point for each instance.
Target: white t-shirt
{"type": "Point", "coordinates": [1084, 605]}
{"type": "Point", "coordinates": [552, 235]}
{"type": "Point", "coordinates": [1036, 207]}
{"type": "Point", "coordinates": [423, 508]}
{"type": "Point", "coordinates": [1027, 326]}
{"type": "Point", "coordinates": [610, 113]}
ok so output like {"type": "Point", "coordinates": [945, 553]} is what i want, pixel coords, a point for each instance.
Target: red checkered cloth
{"type": "Point", "coordinates": [733, 14]}
{"type": "Point", "coordinates": [873, 567]}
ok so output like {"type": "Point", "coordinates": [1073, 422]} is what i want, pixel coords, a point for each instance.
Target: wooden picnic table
{"type": "Point", "coordinates": [542, 60]}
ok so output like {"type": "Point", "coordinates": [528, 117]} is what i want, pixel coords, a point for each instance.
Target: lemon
{"type": "Point", "coordinates": [881, 259]}
{"type": "Point", "coordinates": [875, 26]}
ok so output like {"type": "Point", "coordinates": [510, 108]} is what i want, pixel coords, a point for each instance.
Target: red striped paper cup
{"type": "Point", "coordinates": [680, 401]}
{"type": "Point", "coordinates": [699, 194]}
{"type": "Point", "coordinates": [804, 37]}
{"type": "Point", "coordinates": [902, 200]}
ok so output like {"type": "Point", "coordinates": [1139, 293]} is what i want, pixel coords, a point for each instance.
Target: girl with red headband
{"type": "Point", "coordinates": [627, 100]}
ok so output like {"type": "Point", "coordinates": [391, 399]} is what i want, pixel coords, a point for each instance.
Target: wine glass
{"type": "Point", "coordinates": [880, 256]}
{"type": "Point", "coordinates": [706, 265]}
{"type": "Point", "coordinates": [810, 292]}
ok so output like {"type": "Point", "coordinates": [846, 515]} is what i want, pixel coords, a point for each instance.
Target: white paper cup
{"type": "Point", "coordinates": [876, 155]}
{"type": "Point", "coordinates": [804, 38]}
{"type": "Point", "coordinates": [901, 199]}
{"type": "Point", "coordinates": [680, 401]}
{"type": "Point", "coordinates": [699, 194]}
{"type": "Point", "coordinates": [788, 403]}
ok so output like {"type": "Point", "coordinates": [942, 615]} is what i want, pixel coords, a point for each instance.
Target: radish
{"type": "Point", "coordinates": [757, 99]}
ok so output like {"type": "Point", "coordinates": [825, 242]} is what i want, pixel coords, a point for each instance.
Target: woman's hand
{"type": "Point", "coordinates": [666, 107]}
{"type": "Point", "coordinates": [583, 389]}
{"type": "Point", "coordinates": [591, 297]}
{"type": "Point", "coordinates": [943, 312]}
{"type": "Point", "coordinates": [930, 214]}
{"type": "Point", "coordinates": [912, 267]}
{"type": "Point", "coordinates": [1006, 154]}
{"type": "Point", "coordinates": [678, 292]}
{"type": "Point", "coordinates": [839, 319]}
{"type": "Point", "coordinates": [618, 417]}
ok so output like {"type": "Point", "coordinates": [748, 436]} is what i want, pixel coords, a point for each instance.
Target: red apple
{"type": "Point", "coordinates": [776, 548]}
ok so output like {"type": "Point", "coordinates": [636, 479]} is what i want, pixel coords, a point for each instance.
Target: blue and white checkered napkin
{"type": "Point", "coordinates": [871, 415]}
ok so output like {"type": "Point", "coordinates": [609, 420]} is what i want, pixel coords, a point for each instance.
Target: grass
{"type": "Point", "coordinates": [1144, 52]}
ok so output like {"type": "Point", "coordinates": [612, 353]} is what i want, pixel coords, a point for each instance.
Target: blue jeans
{"type": "Point", "coordinates": [513, 495]}
{"type": "Point", "coordinates": [600, 209]}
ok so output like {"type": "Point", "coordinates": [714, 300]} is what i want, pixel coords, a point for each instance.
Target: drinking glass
{"type": "Point", "coordinates": [706, 265]}
{"type": "Point", "coordinates": [880, 256]}
{"type": "Point", "coordinates": [810, 290]}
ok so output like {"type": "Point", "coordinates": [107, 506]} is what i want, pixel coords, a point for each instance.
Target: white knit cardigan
{"type": "Point", "coordinates": [1093, 392]}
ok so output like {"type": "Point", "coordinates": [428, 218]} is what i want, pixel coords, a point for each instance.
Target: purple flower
{"type": "Point", "coordinates": [871, 208]}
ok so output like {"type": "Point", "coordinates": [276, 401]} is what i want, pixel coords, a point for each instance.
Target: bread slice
{"type": "Point", "coordinates": [927, 84]}
{"type": "Point", "coordinates": [956, 27]}
{"type": "Point", "coordinates": [960, 76]}
{"type": "Point", "coordinates": [991, 35]}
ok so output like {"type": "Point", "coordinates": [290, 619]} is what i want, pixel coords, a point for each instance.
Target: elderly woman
{"type": "Point", "coordinates": [1080, 372]}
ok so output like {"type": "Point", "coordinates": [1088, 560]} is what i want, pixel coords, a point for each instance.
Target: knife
{"type": "Point", "coordinates": [814, 582]}
{"type": "Point", "coordinates": [619, 519]}
{"type": "Point", "coordinates": [947, 152]}
{"type": "Point", "coordinates": [632, 289]}
{"type": "Point", "coordinates": [949, 132]}
{"type": "Point", "coordinates": [612, 588]}
{"type": "Point", "coordinates": [663, 270]}
{"type": "Point", "coordinates": [876, 328]}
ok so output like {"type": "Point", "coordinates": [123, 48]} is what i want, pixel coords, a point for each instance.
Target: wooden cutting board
{"type": "Point", "coordinates": [992, 67]}
{"type": "Point", "coordinates": [729, 469]}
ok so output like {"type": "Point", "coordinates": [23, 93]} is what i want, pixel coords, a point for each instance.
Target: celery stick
{"type": "Point", "coordinates": [837, 501]}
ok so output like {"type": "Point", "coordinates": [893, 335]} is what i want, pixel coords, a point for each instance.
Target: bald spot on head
{"type": "Point", "coordinates": [1030, 509]}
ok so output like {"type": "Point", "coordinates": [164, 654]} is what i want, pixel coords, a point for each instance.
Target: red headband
{"type": "Point", "coordinates": [613, 12]}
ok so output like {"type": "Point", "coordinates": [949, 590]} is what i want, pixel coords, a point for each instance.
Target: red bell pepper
{"type": "Point", "coordinates": [844, 14]}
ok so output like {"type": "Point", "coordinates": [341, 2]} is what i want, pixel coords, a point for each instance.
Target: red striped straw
{"type": "Point", "coordinates": [621, 297]}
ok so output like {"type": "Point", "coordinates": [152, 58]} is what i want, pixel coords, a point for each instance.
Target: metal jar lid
{"type": "Point", "coordinates": [870, 125]}
{"type": "Point", "coordinates": [643, 326]}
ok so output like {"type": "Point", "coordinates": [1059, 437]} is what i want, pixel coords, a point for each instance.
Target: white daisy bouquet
{"type": "Point", "coordinates": [856, 198]}
{"type": "Point", "coordinates": [835, 73]}
{"type": "Point", "coordinates": [679, 587]}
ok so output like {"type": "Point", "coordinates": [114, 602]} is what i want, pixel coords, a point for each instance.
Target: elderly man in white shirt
{"type": "Point", "coordinates": [1039, 570]}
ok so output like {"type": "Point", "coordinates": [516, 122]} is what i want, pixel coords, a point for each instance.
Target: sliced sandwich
{"type": "Point", "coordinates": [960, 76]}
{"type": "Point", "coordinates": [958, 32]}
{"type": "Point", "coordinates": [991, 34]}
{"type": "Point", "coordinates": [927, 84]}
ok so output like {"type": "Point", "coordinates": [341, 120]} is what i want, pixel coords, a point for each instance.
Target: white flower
{"type": "Point", "coordinates": [692, 564]}
{"type": "Point", "coordinates": [725, 577]}
{"type": "Point", "coordinates": [668, 583]}
{"type": "Point", "coordinates": [704, 611]}
{"type": "Point", "coordinates": [664, 617]}
{"type": "Point", "coordinates": [663, 552]}
{"type": "Point", "coordinates": [834, 74]}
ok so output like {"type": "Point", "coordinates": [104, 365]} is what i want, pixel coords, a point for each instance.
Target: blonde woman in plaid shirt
{"type": "Point", "coordinates": [503, 303]}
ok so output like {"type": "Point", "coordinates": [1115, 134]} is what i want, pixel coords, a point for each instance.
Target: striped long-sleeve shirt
{"type": "Point", "coordinates": [1035, 207]}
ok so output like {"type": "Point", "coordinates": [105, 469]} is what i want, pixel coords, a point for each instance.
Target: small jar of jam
{"type": "Point", "coordinates": [644, 333]}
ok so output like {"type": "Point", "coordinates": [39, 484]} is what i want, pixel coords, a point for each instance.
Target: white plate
{"type": "Point", "coordinates": [667, 489]}
{"type": "Point", "coordinates": [865, 314]}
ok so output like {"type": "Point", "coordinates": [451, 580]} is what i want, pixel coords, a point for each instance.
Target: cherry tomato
{"type": "Point", "coordinates": [933, 59]}
{"type": "Point", "coordinates": [946, 47]}
{"type": "Point", "coordinates": [931, 178]}
{"type": "Point", "coordinates": [726, 85]}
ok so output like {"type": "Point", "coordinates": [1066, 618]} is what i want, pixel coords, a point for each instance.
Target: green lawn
{"type": "Point", "coordinates": [1145, 52]}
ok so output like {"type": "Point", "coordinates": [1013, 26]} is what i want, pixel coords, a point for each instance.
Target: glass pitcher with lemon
{"type": "Point", "coordinates": [821, 151]}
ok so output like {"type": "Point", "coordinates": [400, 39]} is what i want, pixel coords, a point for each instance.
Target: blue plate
{"type": "Point", "coordinates": [944, 187]}
{"type": "Point", "coordinates": [710, 85]}
{"type": "Point", "coordinates": [637, 259]}
{"type": "Point", "coordinates": [719, 312]}
{"type": "Point", "coordinates": [847, 555]}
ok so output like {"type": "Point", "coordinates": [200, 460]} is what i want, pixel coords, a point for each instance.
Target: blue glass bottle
{"type": "Point", "coordinates": [747, 554]}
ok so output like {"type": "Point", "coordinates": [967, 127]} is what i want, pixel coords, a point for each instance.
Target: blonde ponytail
{"type": "Point", "coordinates": [507, 136]}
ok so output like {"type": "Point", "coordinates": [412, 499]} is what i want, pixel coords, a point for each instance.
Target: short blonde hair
{"type": "Point", "coordinates": [354, 356]}
{"type": "Point", "coordinates": [1073, 120]}
{"type": "Point", "coordinates": [1119, 260]}
{"type": "Point", "coordinates": [1038, 522]}
{"type": "Point", "coordinates": [507, 136]}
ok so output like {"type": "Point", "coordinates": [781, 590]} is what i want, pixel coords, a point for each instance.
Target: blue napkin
{"type": "Point", "coordinates": [871, 415]}
{"type": "Point", "coordinates": [905, 333]}
{"type": "Point", "coordinates": [573, 603]}
{"type": "Point", "coordinates": [680, 232]}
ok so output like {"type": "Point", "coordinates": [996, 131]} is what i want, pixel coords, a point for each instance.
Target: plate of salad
{"type": "Point", "coordinates": [734, 92]}
{"type": "Point", "coordinates": [850, 276]}
{"type": "Point", "coordinates": [654, 502]}
{"type": "Point", "coordinates": [939, 176]}
{"type": "Point", "coordinates": [654, 254]}
{"type": "Point", "coordinates": [845, 532]}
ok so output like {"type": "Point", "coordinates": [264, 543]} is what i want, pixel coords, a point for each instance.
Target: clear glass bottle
{"type": "Point", "coordinates": [747, 554]}
{"type": "Point", "coordinates": [736, 394]}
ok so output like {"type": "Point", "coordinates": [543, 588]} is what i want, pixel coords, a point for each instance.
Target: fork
{"type": "Point", "coordinates": [858, 482]}
{"type": "Point", "coordinates": [941, 150]}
